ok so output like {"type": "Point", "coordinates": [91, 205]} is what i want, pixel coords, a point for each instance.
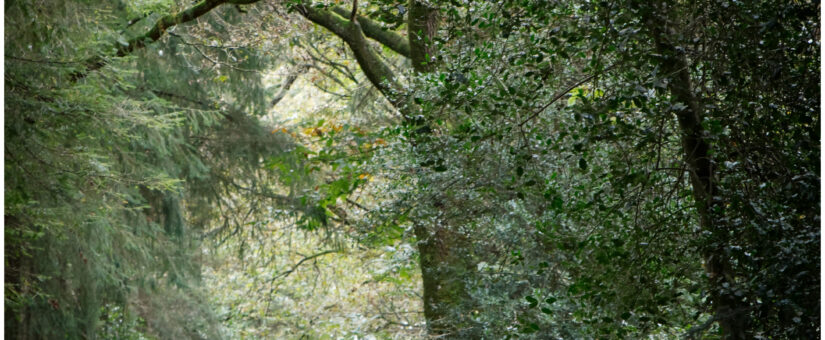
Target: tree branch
{"type": "Point", "coordinates": [338, 67]}
{"type": "Point", "coordinates": [374, 31]}
{"type": "Point", "coordinates": [354, 10]}
{"type": "Point", "coordinates": [213, 61]}
{"type": "Point", "coordinates": [561, 94]}
{"type": "Point", "coordinates": [556, 98]}
{"type": "Point", "coordinates": [156, 32]}
{"type": "Point", "coordinates": [279, 199]}
{"type": "Point", "coordinates": [299, 263]}
{"type": "Point", "coordinates": [135, 21]}
{"type": "Point", "coordinates": [290, 79]}
{"type": "Point", "coordinates": [379, 74]}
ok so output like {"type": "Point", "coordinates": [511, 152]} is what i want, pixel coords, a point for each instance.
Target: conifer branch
{"type": "Point", "coordinates": [156, 32]}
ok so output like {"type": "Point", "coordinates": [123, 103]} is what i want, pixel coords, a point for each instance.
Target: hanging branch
{"type": "Point", "coordinates": [210, 59]}
{"type": "Point", "coordinates": [340, 68]}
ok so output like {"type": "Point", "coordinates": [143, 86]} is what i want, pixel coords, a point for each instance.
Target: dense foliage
{"type": "Point", "coordinates": [447, 169]}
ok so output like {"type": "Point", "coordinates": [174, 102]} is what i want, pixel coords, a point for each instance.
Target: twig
{"type": "Point", "coordinates": [299, 263]}
{"type": "Point", "coordinates": [43, 61]}
{"type": "Point", "coordinates": [563, 93]}
{"type": "Point", "coordinates": [213, 61]}
{"type": "Point", "coordinates": [557, 97]}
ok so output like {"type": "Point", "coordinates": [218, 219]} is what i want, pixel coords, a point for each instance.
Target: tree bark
{"type": "Point", "coordinates": [444, 259]}
{"type": "Point", "coordinates": [422, 24]}
{"type": "Point", "coordinates": [374, 31]}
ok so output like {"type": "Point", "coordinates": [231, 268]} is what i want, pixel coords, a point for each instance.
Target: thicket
{"type": "Point", "coordinates": [510, 169]}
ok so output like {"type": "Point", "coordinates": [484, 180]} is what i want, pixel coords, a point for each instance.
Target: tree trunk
{"type": "Point", "coordinates": [446, 255]}
{"type": "Point", "coordinates": [728, 309]}
{"type": "Point", "coordinates": [445, 265]}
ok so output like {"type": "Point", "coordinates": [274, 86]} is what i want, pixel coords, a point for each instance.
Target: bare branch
{"type": "Point", "coordinates": [340, 68]}
{"type": "Point", "coordinates": [299, 263]}
{"type": "Point", "coordinates": [213, 61]}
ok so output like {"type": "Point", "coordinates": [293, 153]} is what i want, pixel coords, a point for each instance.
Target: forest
{"type": "Point", "coordinates": [417, 169]}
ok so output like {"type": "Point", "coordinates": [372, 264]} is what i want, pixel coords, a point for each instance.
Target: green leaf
{"type": "Point", "coordinates": [533, 302]}
{"type": "Point", "coordinates": [557, 203]}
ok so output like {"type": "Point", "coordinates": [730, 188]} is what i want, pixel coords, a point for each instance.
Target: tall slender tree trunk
{"type": "Point", "coordinates": [728, 309]}
{"type": "Point", "coordinates": [446, 254]}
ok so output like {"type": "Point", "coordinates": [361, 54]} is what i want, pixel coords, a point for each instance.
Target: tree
{"type": "Point", "coordinates": [99, 170]}
{"type": "Point", "coordinates": [444, 252]}
{"type": "Point", "coordinates": [540, 172]}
